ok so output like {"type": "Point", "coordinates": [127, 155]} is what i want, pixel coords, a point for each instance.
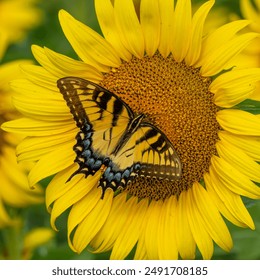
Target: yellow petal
{"type": "Point", "coordinates": [129, 27]}
{"type": "Point", "coordinates": [151, 234]}
{"type": "Point", "coordinates": [218, 38]}
{"type": "Point", "coordinates": [166, 17]}
{"type": "Point", "coordinates": [106, 19]}
{"type": "Point", "coordinates": [89, 45]}
{"type": "Point", "coordinates": [150, 22]}
{"type": "Point", "coordinates": [197, 32]}
{"type": "Point", "coordinates": [199, 232]}
{"type": "Point", "coordinates": [211, 218]}
{"type": "Point", "coordinates": [235, 78]}
{"type": "Point", "coordinates": [36, 108]}
{"type": "Point", "coordinates": [60, 185]}
{"type": "Point", "coordinates": [239, 160]}
{"type": "Point", "coordinates": [33, 148]}
{"type": "Point", "coordinates": [167, 245]}
{"type": "Point", "coordinates": [105, 238]}
{"type": "Point", "coordinates": [41, 57]}
{"type": "Point", "coordinates": [37, 237]}
{"type": "Point", "coordinates": [131, 232]}
{"type": "Point", "coordinates": [141, 252]}
{"type": "Point", "coordinates": [92, 223]}
{"type": "Point", "coordinates": [28, 89]}
{"type": "Point", "coordinates": [181, 31]}
{"type": "Point", "coordinates": [38, 102]}
{"type": "Point", "coordinates": [221, 205]}
{"type": "Point", "coordinates": [61, 66]}
{"type": "Point", "coordinates": [249, 144]}
{"type": "Point", "coordinates": [32, 127]}
{"type": "Point", "coordinates": [83, 207]}
{"type": "Point", "coordinates": [219, 58]}
{"type": "Point", "coordinates": [11, 69]}
{"type": "Point", "coordinates": [232, 201]}
{"type": "Point", "coordinates": [229, 97]}
{"type": "Point", "coordinates": [235, 180]}
{"type": "Point", "coordinates": [234, 86]}
{"type": "Point", "coordinates": [185, 240]}
{"type": "Point", "coordinates": [239, 122]}
{"type": "Point", "coordinates": [18, 195]}
{"type": "Point", "coordinates": [251, 11]}
{"type": "Point", "coordinates": [53, 162]}
{"type": "Point", "coordinates": [39, 76]}
{"type": "Point", "coordinates": [77, 188]}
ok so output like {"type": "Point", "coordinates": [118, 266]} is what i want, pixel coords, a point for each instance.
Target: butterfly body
{"type": "Point", "coordinates": [114, 140]}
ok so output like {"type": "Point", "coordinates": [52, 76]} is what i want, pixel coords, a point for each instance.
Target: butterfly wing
{"type": "Point", "coordinates": [148, 153]}
{"type": "Point", "coordinates": [103, 120]}
{"type": "Point", "coordinates": [101, 117]}
{"type": "Point", "coordinates": [157, 155]}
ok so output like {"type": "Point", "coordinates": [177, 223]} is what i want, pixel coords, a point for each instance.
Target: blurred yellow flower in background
{"type": "Point", "coordinates": [16, 17]}
{"type": "Point", "coordinates": [251, 56]}
{"type": "Point", "coordinates": [35, 238]}
{"type": "Point", "coordinates": [15, 190]}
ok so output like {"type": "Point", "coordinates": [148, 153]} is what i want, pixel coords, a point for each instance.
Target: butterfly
{"type": "Point", "coordinates": [113, 139]}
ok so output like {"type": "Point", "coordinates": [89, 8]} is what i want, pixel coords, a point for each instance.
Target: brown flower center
{"type": "Point", "coordinates": [177, 100]}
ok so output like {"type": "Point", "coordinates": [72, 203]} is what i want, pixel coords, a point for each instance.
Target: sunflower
{"type": "Point", "coordinates": [15, 191]}
{"type": "Point", "coordinates": [16, 17]}
{"type": "Point", "coordinates": [251, 55]}
{"type": "Point", "coordinates": [16, 241]}
{"type": "Point", "coordinates": [155, 57]}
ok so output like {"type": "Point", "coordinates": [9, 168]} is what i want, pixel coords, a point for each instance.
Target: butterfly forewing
{"type": "Point", "coordinates": [88, 101]}
{"type": "Point", "coordinates": [101, 120]}
{"type": "Point", "coordinates": [110, 140]}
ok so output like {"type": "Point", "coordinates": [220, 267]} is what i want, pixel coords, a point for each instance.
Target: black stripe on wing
{"type": "Point", "coordinates": [152, 155]}
{"type": "Point", "coordinates": [102, 116]}
{"type": "Point", "coordinates": [81, 94]}
{"type": "Point", "coordinates": [69, 89]}
{"type": "Point", "coordinates": [94, 109]}
{"type": "Point", "coordinates": [159, 159]}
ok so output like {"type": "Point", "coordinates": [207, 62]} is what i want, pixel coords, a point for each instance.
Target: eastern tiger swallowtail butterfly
{"type": "Point", "coordinates": [113, 139]}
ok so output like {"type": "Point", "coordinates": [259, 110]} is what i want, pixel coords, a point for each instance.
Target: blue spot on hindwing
{"type": "Point", "coordinates": [91, 160]}
{"type": "Point", "coordinates": [126, 173]}
{"type": "Point", "coordinates": [97, 164]}
{"type": "Point", "coordinates": [86, 143]}
{"type": "Point", "coordinates": [87, 126]}
{"type": "Point", "coordinates": [88, 135]}
{"type": "Point", "coordinates": [86, 154]}
{"type": "Point", "coordinates": [118, 177]}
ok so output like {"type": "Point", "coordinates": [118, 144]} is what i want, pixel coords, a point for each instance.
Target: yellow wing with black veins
{"type": "Point", "coordinates": [112, 139]}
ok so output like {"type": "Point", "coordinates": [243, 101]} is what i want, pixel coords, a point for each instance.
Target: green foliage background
{"type": "Point", "coordinates": [49, 34]}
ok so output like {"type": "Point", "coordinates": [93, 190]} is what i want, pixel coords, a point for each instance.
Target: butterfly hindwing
{"type": "Point", "coordinates": [147, 153]}
{"type": "Point", "coordinates": [152, 151]}
{"type": "Point", "coordinates": [112, 139]}
{"type": "Point", "coordinates": [157, 155]}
